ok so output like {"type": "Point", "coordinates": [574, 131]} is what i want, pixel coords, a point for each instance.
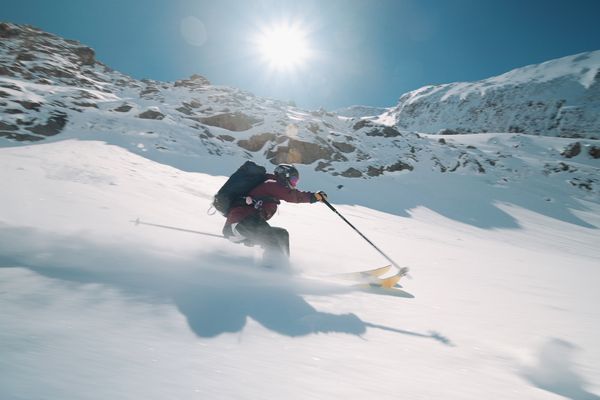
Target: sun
{"type": "Point", "coordinates": [284, 46]}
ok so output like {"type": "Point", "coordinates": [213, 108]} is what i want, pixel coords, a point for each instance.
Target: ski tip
{"type": "Point", "coordinates": [377, 271]}
{"type": "Point", "coordinates": [391, 281]}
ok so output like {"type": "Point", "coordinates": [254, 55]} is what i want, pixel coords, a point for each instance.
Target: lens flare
{"type": "Point", "coordinates": [283, 46]}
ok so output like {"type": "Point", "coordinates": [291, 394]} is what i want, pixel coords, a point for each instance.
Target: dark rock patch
{"type": "Point", "coordinates": [53, 126]}
{"type": "Point", "coordinates": [24, 56]}
{"type": "Point", "coordinates": [399, 166]}
{"type": "Point", "coordinates": [8, 127]}
{"type": "Point", "coordinates": [385, 131]}
{"type": "Point", "coordinates": [572, 150]}
{"type": "Point", "coordinates": [7, 31]}
{"type": "Point", "coordinates": [151, 114]}
{"type": "Point", "coordinates": [236, 121]}
{"type": "Point", "coordinates": [299, 152]}
{"type": "Point", "coordinates": [123, 108]}
{"type": "Point", "coordinates": [195, 81]}
{"type": "Point", "coordinates": [256, 142]}
{"type": "Point", "coordinates": [343, 147]}
{"type": "Point", "coordinates": [352, 173]}
{"type": "Point", "coordinates": [361, 124]}
{"type": "Point", "coordinates": [20, 137]}
{"type": "Point", "coordinates": [83, 104]}
{"type": "Point", "coordinates": [29, 105]}
{"type": "Point", "coordinates": [86, 55]}
{"type": "Point", "coordinates": [226, 138]}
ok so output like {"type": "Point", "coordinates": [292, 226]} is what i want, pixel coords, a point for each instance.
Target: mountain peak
{"type": "Point", "coordinates": [559, 97]}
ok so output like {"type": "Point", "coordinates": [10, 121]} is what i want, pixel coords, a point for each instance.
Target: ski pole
{"type": "Point", "coordinates": [138, 222]}
{"type": "Point", "coordinates": [403, 270]}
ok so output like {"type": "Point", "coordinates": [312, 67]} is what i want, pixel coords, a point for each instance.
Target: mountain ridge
{"type": "Point", "coordinates": [54, 89]}
{"type": "Point", "coordinates": [560, 97]}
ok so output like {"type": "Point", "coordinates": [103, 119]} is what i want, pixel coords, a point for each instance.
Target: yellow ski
{"type": "Point", "coordinates": [364, 275]}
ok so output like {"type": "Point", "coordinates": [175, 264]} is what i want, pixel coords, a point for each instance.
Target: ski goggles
{"type": "Point", "coordinates": [294, 180]}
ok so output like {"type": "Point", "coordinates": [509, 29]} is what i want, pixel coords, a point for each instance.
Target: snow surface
{"type": "Point", "coordinates": [505, 279]}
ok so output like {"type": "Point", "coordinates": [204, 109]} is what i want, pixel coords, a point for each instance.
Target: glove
{"type": "Point", "coordinates": [319, 196]}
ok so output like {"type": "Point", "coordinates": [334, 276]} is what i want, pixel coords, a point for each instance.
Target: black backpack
{"type": "Point", "coordinates": [246, 178]}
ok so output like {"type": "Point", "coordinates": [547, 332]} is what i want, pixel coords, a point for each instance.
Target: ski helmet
{"type": "Point", "coordinates": [287, 174]}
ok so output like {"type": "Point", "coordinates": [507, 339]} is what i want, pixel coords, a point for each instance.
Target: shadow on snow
{"type": "Point", "coordinates": [215, 293]}
{"type": "Point", "coordinates": [469, 199]}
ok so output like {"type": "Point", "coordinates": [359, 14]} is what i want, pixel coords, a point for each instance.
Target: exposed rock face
{"type": "Point", "coordinates": [352, 173]}
{"type": "Point", "coordinates": [343, 147]}
{"type": "Point", "coordinates": [151, 114]}
{"type": "Point", "coordinates": [362, 123]}
{"type": "Point", "coordinates": [235, 121]}
{"type": "Point", "coordinates": [256, 142]}
{"type": "Point", "coordinates": [86, 55]}
{"type": "Point", "coordinates": [8, 127]}
{"type": "Point", "coordinates": [123, 108]}
{"type": "Point", "coordinates": [397, 166]}
{"type": "Point", "coordinates": [385, 131]}
{"type": "Point", "coordinates": [226, 138]}
{"type": "Point", "coordinates": [53, 126]}
{"type": "Point", "coordinates": [195, 81]}
{"type": "Point", "coordinates": [298, 152]}
{"type": "Point", "coordinates": [7, 31]}
{"type": "Point", "coordinates": [572, 150]}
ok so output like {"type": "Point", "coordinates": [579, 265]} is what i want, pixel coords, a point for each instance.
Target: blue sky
{"type": "Point", "coordinates": [362, 52]}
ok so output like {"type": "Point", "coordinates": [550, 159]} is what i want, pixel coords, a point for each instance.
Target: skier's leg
{"type": "Point", "coordinates": [276, 248]}
{"type": "Point", "coordinates": [274, 241]}
{"type": "Point", "coordinates": [281, 239]}
{"type": "Point", "coordinates": [231, 233]}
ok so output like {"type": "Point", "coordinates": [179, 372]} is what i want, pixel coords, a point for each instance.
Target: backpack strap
{"type": "Point", "coordinates": [258, 201]}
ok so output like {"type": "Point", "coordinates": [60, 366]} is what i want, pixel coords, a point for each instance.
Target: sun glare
{"type": "Point", "coordinates": [283, 47]}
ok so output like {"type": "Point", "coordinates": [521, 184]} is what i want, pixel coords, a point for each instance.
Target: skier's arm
{"type": "Point", "coordinates": [318, 196]}
{"type": "Point", "coordinates": [290, 195]}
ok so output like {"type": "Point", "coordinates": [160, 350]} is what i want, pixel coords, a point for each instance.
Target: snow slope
{"type": "Point", "coordinates": [95, 307]}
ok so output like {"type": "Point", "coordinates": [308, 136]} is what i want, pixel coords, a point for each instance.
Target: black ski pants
{"type": "Point", "coordinates": [258, 232]}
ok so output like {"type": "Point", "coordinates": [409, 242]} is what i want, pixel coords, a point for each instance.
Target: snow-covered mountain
{"type": "Point", "coordinates": [54, 89]}
{"type": "Point", "coordinates": [360, 111]}
{"type": "Point", "coordinates": [556, 98]}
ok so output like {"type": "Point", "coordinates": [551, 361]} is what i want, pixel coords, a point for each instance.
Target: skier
{"type": "Point", "coordinates": [247, 222]}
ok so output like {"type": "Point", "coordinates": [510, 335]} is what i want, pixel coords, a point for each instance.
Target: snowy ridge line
{"type": "Point", "coordinates": [54, 89]}
{"type": "Point", "coordinates": [556, 98]}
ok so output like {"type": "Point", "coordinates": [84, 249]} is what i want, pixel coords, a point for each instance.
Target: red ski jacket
{"type": "Point", "coordinates": [271, 192]}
